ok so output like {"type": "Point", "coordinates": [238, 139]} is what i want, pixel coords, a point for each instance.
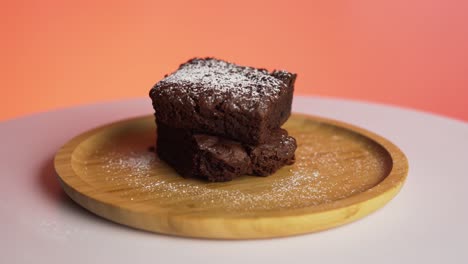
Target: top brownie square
{"type": "Point", "coordinates": [216, 97]}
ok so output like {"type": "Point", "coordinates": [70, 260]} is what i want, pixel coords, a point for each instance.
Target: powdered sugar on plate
{"type": "Point", "coordinates": [329, 167]}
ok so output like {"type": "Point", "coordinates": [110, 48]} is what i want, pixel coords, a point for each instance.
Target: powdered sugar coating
{"type": "Point", "coordinates": [213, 77]}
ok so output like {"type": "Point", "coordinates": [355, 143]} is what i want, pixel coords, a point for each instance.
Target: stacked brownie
{"type": "Point", "coordinates": [217, 120]}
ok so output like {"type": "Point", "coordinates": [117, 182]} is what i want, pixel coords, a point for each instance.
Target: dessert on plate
{"type": "Point", "coordinates": [218, 120]}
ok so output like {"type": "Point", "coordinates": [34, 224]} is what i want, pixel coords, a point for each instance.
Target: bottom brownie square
{"type": "Point", "coordinates": [219, 159]}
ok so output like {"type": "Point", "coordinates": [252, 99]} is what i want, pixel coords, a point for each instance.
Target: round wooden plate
{"type": "Point", "coordinates": [341, 174]}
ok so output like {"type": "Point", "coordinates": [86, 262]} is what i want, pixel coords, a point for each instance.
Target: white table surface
{"type": "Point", "coordinates": [425, 223]}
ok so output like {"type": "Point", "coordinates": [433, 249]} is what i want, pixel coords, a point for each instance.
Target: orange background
{"type": "Point", "coordinates": [409, 53]}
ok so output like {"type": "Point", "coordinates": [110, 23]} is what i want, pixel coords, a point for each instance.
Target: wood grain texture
{"type": "Point", "coordinates": [342, 173]}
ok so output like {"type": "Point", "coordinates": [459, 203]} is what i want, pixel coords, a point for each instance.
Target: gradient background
{"type": "Point", "coordinates": [408, 53]}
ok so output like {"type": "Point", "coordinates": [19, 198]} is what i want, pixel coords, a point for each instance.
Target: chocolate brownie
{"type": "Point", "coordinates": [274, 154]}
{"type": "Point", "coordinates": [211, 96]}
{"type": "Point", "coordinates": [219, 159]}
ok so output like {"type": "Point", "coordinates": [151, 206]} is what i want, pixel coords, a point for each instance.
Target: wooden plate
{"type": "Point", "coordinates": [341, 174]}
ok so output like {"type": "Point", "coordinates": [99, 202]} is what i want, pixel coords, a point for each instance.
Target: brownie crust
{"type": "Point", "coordinates": [211, 96]}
